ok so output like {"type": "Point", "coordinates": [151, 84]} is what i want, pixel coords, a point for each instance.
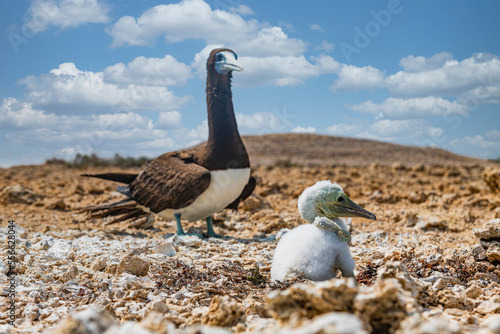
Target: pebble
{"type": "Point", "coordinates": [490, 231]}
{"type": "Point", "coordinates": [223, 311]}
{"type": "Point", "coordinates": [493, 324]}
{"type": "Point", "coordinates": [134, 265]}
{"type": "Point", "coordinates": [332, 323]}
{"type": "Point", "coordinates": [165, 248]}
{"type": "Point", "coordinates": [488, 307]}
{"type": "Point", "coordinates": [99, 264]}
{"type": "Point", "coordinates": [18, 194]}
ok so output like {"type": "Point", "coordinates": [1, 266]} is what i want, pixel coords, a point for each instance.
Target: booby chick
{"type": "Point", "coordinates": [317, 250]}
{"type": "Point", "coordinates": [192, 184]}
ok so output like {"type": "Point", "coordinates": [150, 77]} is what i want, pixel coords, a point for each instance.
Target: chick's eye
{"type": "Point", "coordinates": [341, 199]}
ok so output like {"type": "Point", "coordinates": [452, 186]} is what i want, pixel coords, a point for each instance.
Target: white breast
{"type": "Point", "coordinates": [225, 186]}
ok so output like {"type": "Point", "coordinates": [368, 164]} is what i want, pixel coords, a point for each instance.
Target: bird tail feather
{"type": "Point", "coordinates": [117, 177]}
{"type": "Point", "coordinates": [121, 211]}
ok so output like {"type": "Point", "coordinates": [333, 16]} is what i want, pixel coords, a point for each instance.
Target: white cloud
{"type": "Point", "coordinates": [345, 129]}
{"type": "Point", "coordinates": [325, 46]}
{"type": "Point", "coordinates": [270, 41]}
{"type": "Point", "coordinates": [271, 71]}
{"type": "Point", "coordinates": [404, 129]}
{"type": "Point", "coordinates": [283, 70]}
{"type": "Point", "coordinates": [15, 115]}
{"type": "Point", "coordinates": [64, 13]}
{"type": "Point", "coordinates": [481, 71]}
{"type": "Point", "coordinates": [70, 90]}
{"type": "Point", "coordinates": [187, 19]}
{"type": "Point", "coordinates": [194, 19]}
{"type": "Point", "coordinates": [300, 129]}
{"type": "Point", "coordinates": [242, 10]}
{"type": "Point", "coordinates": [353, 78]}
{"type": "Point", "coordinates": [169, 119]}
{"type": "Point", "coordinates": [422, 64]}
{"type": "Point", "coordinates": [485, 146]}
{"type": "Point", "coordinates": [411, 132]}
{"type": "Point", "coordinates": [396, 108]}
{"type": "Point", "coordinates": [166, 71]}
{"type": "Point", "coordinates": [493, 134]}
{"type": "Point", "coordinates": [317, 27]}
{"type": "Point", "coordinates": [129, 134]}
{"type": "Point", "coordinates": [191, 137]}
{"type": "Point", "coordinates": [260, 122]}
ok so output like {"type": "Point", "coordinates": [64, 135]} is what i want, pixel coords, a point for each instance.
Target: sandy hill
{"type": "Point", "coordinates": [311, 149]}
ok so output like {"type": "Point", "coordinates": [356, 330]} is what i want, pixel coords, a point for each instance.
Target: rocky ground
{"type": "Point", "coordinates": [430, 263]}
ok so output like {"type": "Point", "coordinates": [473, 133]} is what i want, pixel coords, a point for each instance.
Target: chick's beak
{"type": "Point", "coordinates": [347, 208]}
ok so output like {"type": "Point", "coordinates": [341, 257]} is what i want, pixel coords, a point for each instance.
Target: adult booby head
{"type": "Point", "coordinates": [193, 184]}
{"type": "Point", "coordinates": [316, 251]}
{"type": "Point", "coordinates": [225, 61]}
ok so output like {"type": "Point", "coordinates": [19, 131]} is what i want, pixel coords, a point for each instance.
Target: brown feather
{"type": "Point", "coordinates": [170, 182]}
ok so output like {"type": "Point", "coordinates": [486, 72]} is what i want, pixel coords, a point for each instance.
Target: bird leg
{"type": "Point", "coordinates": [329, 225]}
{"type": "Point", "coordinates": [180, 230]}
{"type": "Point", "coordinates": [210, 229]}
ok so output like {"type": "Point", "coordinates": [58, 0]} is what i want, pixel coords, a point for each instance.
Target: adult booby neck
{"type": "Point", "coordinates": [224, 148]}
{"type": "Point", "coordinates": [193, 184]}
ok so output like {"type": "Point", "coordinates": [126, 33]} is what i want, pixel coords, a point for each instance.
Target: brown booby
{"type": "Point", "coordinates": [193, 184]}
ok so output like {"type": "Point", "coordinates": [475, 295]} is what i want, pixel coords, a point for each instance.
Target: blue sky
{"type": "Point", "coordinates": [129, 76]}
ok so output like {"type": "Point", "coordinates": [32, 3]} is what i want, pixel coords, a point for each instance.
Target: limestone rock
{"type": "Point", "coordinates": [490, 231]}
{"type": "Point", "coordinates": [134, 265]}
{"type": "Point", "coordinates": [99, 264]}
{"type": "Point", "coordinates": [416, 325]}
{"type": "Point", "coordinates": [89, 321]}
{"type": "Point", "coordinates": [493, 252]}
{"type": "Point", "coordinates": [432, 225]}
{"type": "Point", "coordinates": [165, 248]}
{"type": "Point", "coordinates": [309, 300]}
{"type": "Point", "coordinates": [418, 197]}
{"type": "Point", "coordinates": [384, 305]}
{"type": "Point", "coordinates": [450, 299]}
{"type": "Point", "coordinates": [492, 323]}
{"type": "Point", "coordinates": [473, 291]}
{"type": "Point", "coordinates": [488, 307]}
{"type": "Point", "coordinates": [72, 273]}
{"type": "Point", "coordinates": [398, 271]}
{"type": "Point", "coordinates": [332, 323]}
{"type": "Point", "coordinates": [251, 203]}
{"type": "Point", "coordinates": [18, 194]}
{"type": "Point", "coordinates": [59, 204]}
{"type": "Point", "coordinates": [157, 323]}
{"type": "Point", "coordinates": [492, 178]}
{"type": "Point", "coordinates": [31, 312]}
{"type": "Point", "coordinates": [223, 311]}
{"type": "Point", "coordinates": [127, 328]}
{"type": "Point", "coordinates": [159, 306]}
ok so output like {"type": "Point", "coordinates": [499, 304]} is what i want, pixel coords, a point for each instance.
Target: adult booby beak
{"type": "Point", "coordinates": [225, 62]}
{"type": "Point", "coordinates": [343, 206]}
